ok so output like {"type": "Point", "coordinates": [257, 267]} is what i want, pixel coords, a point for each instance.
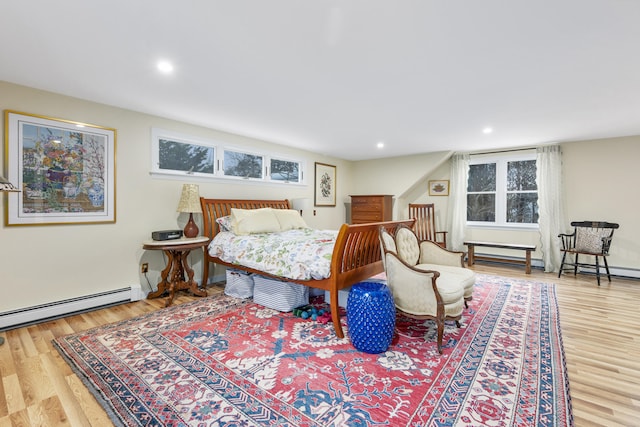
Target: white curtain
{"type": "Point", "coordinates": [550, 204]}
{"type": "Point", "coordinates": [457, 217]}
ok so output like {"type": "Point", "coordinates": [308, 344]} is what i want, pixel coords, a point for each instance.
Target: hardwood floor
{"type": "Point", "coordinates": [600, 330]}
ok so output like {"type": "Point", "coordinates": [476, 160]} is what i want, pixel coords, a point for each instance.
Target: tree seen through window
{"type": "Point", "coordinates": [503, 191]}
{"type": "Point", "coordinates": [185, 157]}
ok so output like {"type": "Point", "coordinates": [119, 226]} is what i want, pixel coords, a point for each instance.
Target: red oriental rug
{"type": "Point", "coordinates": [221, 361]}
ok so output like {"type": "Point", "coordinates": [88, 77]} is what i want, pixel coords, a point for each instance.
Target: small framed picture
{"type": "Point", "coordinates": [325, 185]}
{"type": "Point", "coordinates": [439, 187]}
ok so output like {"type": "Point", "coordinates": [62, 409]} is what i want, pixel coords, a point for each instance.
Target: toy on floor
{"type": "Point", "coordinates": [320, 315]}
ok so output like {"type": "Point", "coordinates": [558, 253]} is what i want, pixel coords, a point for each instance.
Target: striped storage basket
{"type": "Point", "coordinates": [239, 283]}
{"type": "Point", "coordinates": [279, 295]}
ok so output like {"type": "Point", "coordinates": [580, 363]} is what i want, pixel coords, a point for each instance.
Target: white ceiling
{"type": "Point", "coordinates": [337, 77]}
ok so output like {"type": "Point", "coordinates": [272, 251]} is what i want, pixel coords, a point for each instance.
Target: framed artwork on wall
{"type": "Point", "coordinates": [325, 185]}
{"type": "Point", "coordinates": [439, 187]}
{"type": "Point", "coordinates": [64, 169]}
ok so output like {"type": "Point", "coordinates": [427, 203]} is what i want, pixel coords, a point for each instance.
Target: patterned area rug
{"type": "Point", "coordinates": [221, 361]}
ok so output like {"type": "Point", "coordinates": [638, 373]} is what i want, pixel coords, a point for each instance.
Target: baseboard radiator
{"type": "Point", "coordinates": [622, 272]}
{"type": "Point", "coordinates": [54, 310]}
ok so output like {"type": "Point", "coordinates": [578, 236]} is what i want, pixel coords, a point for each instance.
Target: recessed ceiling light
{"type": "Point", "coordinates": [487, 130]}
{"type": "Point", "coordinates": [165, 67]}
{"type": "Point", "coordinates": [380, 145]}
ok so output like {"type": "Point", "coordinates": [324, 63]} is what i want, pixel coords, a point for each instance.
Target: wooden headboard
{"type": "Point", "coordinates": [213, 209]}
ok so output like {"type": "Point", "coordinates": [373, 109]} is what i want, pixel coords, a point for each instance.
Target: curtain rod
{"type": "Point", "coordinates": [503, 151]}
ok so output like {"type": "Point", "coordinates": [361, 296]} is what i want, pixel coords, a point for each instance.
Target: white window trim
{"type": "Point", "coordinates": [158, 134]}
{"type": "Point", "coordinates": [219, 148]}
{"type": "Point", "coordinates": [501, 161]}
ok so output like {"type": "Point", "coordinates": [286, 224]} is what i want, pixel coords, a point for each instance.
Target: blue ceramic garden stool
{"type": "Point", "coordinates": [371, 317]}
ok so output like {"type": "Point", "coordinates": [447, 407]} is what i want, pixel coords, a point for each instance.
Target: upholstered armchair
{"type": "Point", "coordinates": [418, 292]}
{"type": "Point", "coordinates": [429, 255]}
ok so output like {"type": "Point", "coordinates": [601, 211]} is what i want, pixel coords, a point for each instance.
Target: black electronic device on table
{"type": "Point", "coordinates": [166, 235]}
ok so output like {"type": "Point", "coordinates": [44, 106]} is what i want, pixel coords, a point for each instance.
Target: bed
{"type": "Point", "coordinates": [355, 256]}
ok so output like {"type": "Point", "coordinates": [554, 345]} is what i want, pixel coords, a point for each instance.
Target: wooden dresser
{"type": "Point", "coordinates": [371, 208]}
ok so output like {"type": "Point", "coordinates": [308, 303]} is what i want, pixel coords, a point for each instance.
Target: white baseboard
{"type": "Point", "coordinates": [29, 315]}
{"type": "Point", "coordinates": [630, 273]}
{"type": "Point", "coordinates": [137, 293]}
{"type": "Point", "coordinates": [623, 272]}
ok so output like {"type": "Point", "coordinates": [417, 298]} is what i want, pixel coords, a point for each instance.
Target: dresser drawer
{"type": "Point", "coordinates": [366, 217]}
{"type": "Point", "coordinates": [371, 208]}
{"type": "Point", "coordinates": [365, 200]}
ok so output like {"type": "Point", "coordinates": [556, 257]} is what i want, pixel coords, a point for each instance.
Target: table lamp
{"type": "Point", "coordinates": [5, 185]}
{"type": "Point", "coordinates": [190, 202]}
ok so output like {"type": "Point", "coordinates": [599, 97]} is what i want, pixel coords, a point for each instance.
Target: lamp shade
{"type": "Point", "coordinates": [301, 204]}
{"type": "Point", "coordinates": [5, 185]}
{"type": "Point", "coordinates": [190, 203]}
{"type": "Point", "coordinates": [190, 199]}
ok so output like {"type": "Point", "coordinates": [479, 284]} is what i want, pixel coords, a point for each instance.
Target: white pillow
{"type": "Point", "coordinates": [289, 219]}
{"type": "Point", "coordinates": [238, 214]}
{"type": "Point", "coordinates": [253, 221]}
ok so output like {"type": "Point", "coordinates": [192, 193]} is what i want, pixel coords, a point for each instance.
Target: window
{"type": "Point", "coordinates": [180, 156]}
{"type": "Point", "coordinates": [176, 154]}
{"type": "Point", "coordinates": [285, 170]}
{"type": "Point", "coordinates": [243, 165]}
{"type": "Point", "coordinates": [503, 191]}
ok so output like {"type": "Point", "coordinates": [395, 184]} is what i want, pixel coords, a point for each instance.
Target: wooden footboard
{"type": "Point", "coordinates": [356, 255]}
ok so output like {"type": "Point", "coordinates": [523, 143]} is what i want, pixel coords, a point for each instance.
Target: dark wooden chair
{"type": "Point", "coordinates": [588, 238]}
{"type": "Point", "coordinates": [425, 225]}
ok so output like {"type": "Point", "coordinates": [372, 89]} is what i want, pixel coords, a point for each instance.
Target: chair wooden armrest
{"type": "Point", "coordinates": [567, 235]}
{"type": "Point", "coordinates": [566, 240]}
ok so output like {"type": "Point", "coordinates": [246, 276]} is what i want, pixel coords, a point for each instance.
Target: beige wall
{"type": "Point", "coordinates": [600, 182]}
{"type": "Point", "coordinates": [42, 264]}
{"type": "Point", "coordinates": [401, 177]}
{"type": "Point", "coordinates": [601, 179]}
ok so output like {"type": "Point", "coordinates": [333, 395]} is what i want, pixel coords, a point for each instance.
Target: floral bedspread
{"type": "Point", "coordinates": [300, 254]}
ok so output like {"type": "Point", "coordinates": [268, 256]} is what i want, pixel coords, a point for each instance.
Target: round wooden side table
{"type": "Point", "coordinates": [173, 275]}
